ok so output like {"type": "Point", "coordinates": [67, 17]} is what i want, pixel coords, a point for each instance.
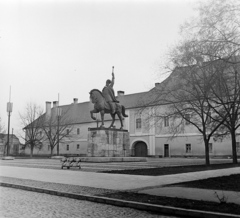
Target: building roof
{"type": "Point", "coordinates": [132, 100]}
{"type": "Point", "coordinates": [180, 83]}
{"type": "Point", "coordinates": [4, 136]}
{"type": "Point", "coordinates": [78, 113]}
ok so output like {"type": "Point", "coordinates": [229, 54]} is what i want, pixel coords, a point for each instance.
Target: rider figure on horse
{"type": "Point", "coordinates": [109, 95]}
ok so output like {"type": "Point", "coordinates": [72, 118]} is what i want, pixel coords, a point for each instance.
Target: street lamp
{"type": "Point", "coordinates": [59, 113]}
{"type": "Point", "coordinates": [9, 110]}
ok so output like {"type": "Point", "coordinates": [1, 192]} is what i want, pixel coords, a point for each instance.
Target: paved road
{"type": "Point", "coordinates": [93, 167]}
{"type": "Point", "coordinates": [107, 180]}
{"type": "Point", "coordinates": [21, 204]}
{"type": "Point", "coordinates": [15, 203]}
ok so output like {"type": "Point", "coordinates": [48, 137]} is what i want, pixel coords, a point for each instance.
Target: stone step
{"type": "Point", "coordinates": [113, 159]}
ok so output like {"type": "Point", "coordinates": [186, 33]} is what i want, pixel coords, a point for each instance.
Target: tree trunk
{"type": "Point", "coordinates": [31, 153]}
{"type": "Point", "coordinates": [207, 160]}
{"type": "Point", "coordinates": [234, 147]}
{"type": "Point", "coordinates": [51, 151]}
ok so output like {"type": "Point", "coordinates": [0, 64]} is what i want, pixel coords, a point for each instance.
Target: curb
{"type": "Point", "coordinates": [122, 203]}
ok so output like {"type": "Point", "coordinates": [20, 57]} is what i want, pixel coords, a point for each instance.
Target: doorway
{"type": "Point", "coordinates": [166, 150]}
{"type": "Point", "coordinates": [140, 149]}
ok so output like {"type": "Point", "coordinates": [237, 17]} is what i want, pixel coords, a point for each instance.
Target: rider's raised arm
{"type": "Point", "coordinates": [113, 78]}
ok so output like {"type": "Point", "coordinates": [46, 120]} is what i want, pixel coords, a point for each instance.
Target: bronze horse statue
{"type": "Point", "coordinates": [100, 105]}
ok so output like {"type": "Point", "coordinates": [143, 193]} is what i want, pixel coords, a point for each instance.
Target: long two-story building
{"type": "Point", "coordinates": [147, 137]}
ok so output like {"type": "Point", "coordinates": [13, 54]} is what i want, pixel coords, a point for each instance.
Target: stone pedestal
{"type": "Point", "coordinates": [108, 143]}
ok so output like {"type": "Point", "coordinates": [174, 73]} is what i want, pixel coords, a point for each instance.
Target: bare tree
{"type": "Point", "coordinates": [217, 36]}
{"type": "Point", "coordinates": [183, 99]}
{"type": "Point", "coordinates": [31, 120]}
{"type": "Point", "coordinates": [191, 93]}
{"type": "Point", "coordinates": [216, 30]}
{"type": "Point", "coordinates": [57, 129]}
{"type": "Point", "coordinates": [226, 95]}
{"type": "Point", "coordinates": [2, 127]}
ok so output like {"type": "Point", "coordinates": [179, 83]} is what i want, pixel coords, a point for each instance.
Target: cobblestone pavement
{"type": "Point", "coordinates": [94, 167]}
{"type": "Point", "coordinates": [15, 203]}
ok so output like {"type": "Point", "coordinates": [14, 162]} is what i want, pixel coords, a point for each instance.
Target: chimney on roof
{"type": "Point", "coordinates": [75, 100]}
{"type": "Point", "coordinates": [156, 84]}
{"type": "Point", "coordinates": [48, 108]}
{"type": "Point", "coordinates": [120, 93]}
{"type": "Point", "coordinates": [55, 107]}
{"type": "Point", "coordinates": [55, 104]}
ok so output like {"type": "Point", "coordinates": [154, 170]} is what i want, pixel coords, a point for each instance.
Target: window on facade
{"type": "Point", "coordinates": [188, 148]}
{"type": "Point", "coordinates": [210, 147]}
{"type": "Point", "coordinates": [238, 147]}
{"type": "Point", "coordinates": [78, 131]}
{"type": "Point", "coordinates": [138, 123]}
{"type": "Point", "coordinates": [78, 146]}
{"type": "Point", "coordinates": [166, 121]}
{"type": "Point", "coordinates": [67, 131]}
{"type": "Point", "coordinates": [48, 147]}
{"type": "Point", "coordinates": [67, 148]}
{"type": "Point", "coordinates": [188, 118]}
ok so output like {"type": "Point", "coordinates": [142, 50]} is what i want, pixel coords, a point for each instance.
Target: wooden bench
{"type": "Point", "coordinates": [71, 162]}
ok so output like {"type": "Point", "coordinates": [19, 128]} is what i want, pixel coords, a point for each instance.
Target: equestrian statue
{"type": "Point", "coordinates": [105, 102]}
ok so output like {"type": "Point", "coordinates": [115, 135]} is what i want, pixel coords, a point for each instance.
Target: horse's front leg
{"type": "Point", "coordinates": [113, 120]}
{"type": "Point", "coordinates": [102, 118]}
{"type": "Point", "coordinates": [93, 112]}
{"type": "Point", "coordinates": [121, 119]}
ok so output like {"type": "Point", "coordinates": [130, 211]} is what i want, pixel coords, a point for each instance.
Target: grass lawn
{"type": "Point", "coordinates": [227, 183]}
{"type": "Point", "coordinates": [230, 183]}
{"type": "Point", "coordinates": [228, 208]}
{"type": "Point", "coordinates": [160, 171]}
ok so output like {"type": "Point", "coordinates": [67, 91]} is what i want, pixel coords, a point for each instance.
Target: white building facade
{"type": "Point", "coordinates": [147, 138]}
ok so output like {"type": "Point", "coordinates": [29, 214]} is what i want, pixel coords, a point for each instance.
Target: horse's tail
{"type": "Point", "coordinates": [123, 111]}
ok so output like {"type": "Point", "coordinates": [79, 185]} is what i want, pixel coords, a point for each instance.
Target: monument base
{"type": "Point", "coordinates": [108, 143]}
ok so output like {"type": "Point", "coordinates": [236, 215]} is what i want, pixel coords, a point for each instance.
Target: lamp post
{"type": "Point", "coordinates": [9, 110]}
{"type": "Point", "coordinates": [59, 112]}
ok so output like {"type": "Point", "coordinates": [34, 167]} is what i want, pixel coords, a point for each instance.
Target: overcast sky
{"type": "Point", "coordinates": [69, 47]}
